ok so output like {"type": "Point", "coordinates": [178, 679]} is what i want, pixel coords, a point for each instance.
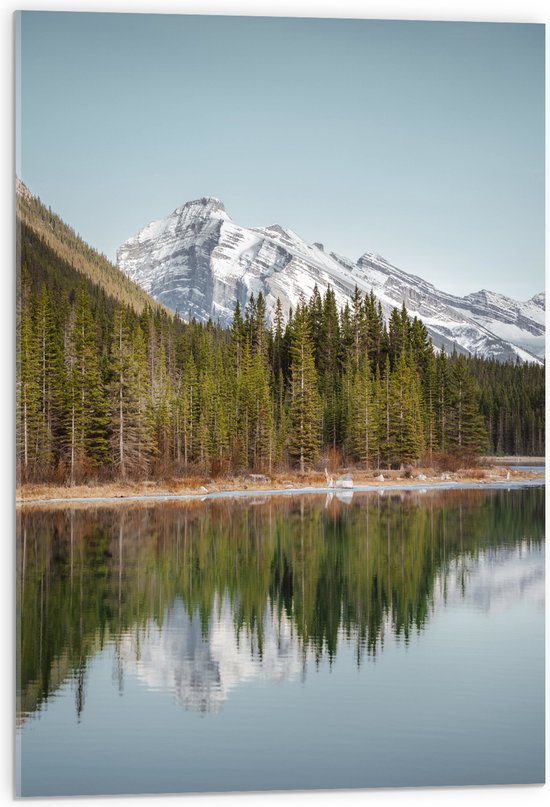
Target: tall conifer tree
{"type": "Point", "coordinates": [466, 429]}
{"type": "Point", "coordinates": [304, 396]}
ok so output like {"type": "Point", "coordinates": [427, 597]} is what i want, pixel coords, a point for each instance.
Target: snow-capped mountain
{"type": "Point", "coordinates": [199, 262]}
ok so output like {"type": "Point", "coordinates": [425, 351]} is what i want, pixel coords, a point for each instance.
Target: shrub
{"type": "Point", "coordinates": [334, 458]}
{"type": "Point", "coordinates": [445, 461]}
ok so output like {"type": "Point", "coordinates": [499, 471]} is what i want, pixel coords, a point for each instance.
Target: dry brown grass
{"type": "Point", "coordinates": [182, 486]}
{"type": "Point", "coordinates": [443, 461]}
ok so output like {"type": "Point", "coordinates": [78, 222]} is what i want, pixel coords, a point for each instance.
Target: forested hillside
{"type": "Point", "coordinates": [68, 248]}
{"type": "Point", "coordinates": [109, 390]}
{"type": "Point", "coordinates": [512, 402]}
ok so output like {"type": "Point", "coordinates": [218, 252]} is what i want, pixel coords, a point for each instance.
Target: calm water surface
{"type": "Point", "coordinates": [312, 642]}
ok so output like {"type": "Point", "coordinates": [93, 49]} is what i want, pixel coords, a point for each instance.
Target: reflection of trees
{"type": "Point", "coordinates": [86, 576]}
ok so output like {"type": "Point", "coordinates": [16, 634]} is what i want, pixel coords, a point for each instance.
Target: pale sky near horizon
{"type": "Point", "coordinates": [421, 141]}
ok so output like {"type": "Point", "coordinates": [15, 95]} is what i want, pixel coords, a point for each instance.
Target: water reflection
{"type": "Point", "coordinates": [199, 667]}
{"type": "Point", "coordinates": [200, 598]}
{"type": "Point", "coordinates": [498, 579]}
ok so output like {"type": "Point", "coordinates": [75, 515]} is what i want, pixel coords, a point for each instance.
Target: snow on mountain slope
{"type": "Point", "coordinates": [199, 262]}
{"type": "Point", "coordinates": [520, 323]}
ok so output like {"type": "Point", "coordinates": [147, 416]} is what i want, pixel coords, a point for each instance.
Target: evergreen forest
{"type": "Point", "coordinates": [107, 390]}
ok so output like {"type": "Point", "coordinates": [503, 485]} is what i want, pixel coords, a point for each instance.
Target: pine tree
{"type": "Point", "coordinates": [245, 398]}
{"type": "Point", "coordinates": [258, 339]}
{"type": "Point", "coordinates": [399, 332]}
{"type": "Point", "coordinates": [221, 422]}
{"type": "Point", "coordinates": [31, 434]}
{"type": "Point", "coordinates": [85, 405]}
{"type": "Point", "coordinates": [188, 399]}
{"type": "Point", "coordinates": [442, 400]}
{"type": "Point", "coordinates": [347, 337]}
{"type": "Point", "coordinates": [250, 319]}
{"type": "Point", "coordinates": [429, 392]}
{"type": "Point", "coordinates": [375, 332]}
{"type": "Point", "coordinates": [262, 415]}
{"type": "Point", "coordinates": [361, 420]}
{"type": "Point", "coordinates": [304, 397]}
{"type": "Point", "coordinates": [421, 346]}
{"type": "Point", "coordinates": [162, 397]}
{"type": "Point", "coordinates": [277, 362]}
{"type": "Point", "coordinates": [379, 412]}
{"type": "Point", "coordinates": [329, 370]}
{"type": "Point", "coordinates": [405, 426]}
{"type": "Point", "coordinates": [50, 373]}
{"type": "Point", "coordinates": [466, 429]}
{"type": "Point", "coordinates": [384, 412]}
{"type": "Point", "coordinates": [132, 441]}
{"type": "Point", "coordinates": [146, 447]}
{"type": "Point", "coordinates": [360, 326]}
{"type": "Point", "coordinates": [203, 441]}
{"type": "Point", "coordinates": [328, 349]}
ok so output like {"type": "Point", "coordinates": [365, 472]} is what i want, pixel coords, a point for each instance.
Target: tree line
{"type": "Point", "coordinates": [105, 392]}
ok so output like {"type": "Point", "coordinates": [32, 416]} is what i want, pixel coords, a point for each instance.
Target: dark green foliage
{"type": "Point", "coordinates": [466, 432]}
{"type": "Point", "coordinates": [512, 405]}
{"type": "Point", "coordinates": [305, 407]}
{"type": "Point", "coordinates": [85, 405]}
{"type": "Point", "coordinates": [362, 572]}
{"type": "Point", "coordinates": [136, 408]}
{"type": "Point", "coordinates": [105, 390]}
{"type": "Point", "coordinates": [406, 426]}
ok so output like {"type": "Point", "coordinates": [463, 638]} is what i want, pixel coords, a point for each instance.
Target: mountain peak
{"type": "Point", "coordinates": [367, 257]}
{"type": "Point", "coordinates": [205, 207]}
{"type": "Point", "coordinates": [201, 263]}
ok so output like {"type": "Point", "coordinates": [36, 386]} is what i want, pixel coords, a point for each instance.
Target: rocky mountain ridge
{"type": "Point", "coordinates": [199, 262]}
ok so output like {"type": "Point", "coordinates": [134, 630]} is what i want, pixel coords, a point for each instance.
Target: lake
{"type": "Point", "coordinates": [275, 643]}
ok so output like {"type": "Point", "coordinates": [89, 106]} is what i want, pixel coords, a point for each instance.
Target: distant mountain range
{"type": "Point", "coordinates": [198, 262]}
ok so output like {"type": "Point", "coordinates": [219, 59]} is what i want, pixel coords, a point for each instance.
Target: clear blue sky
{"type": "Point", "coordinates": [421, 141]}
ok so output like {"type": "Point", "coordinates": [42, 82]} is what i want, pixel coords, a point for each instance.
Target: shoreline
{"type": "Point", "coordinates": [281, 485]}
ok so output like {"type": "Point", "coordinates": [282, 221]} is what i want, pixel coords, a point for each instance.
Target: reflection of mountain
{"type": "Point", "coordinates": [200, 669]}
{"type": "Point", "coordinates": [245, 592]}
{"type": "Point", "coordinates": [496, 580]}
